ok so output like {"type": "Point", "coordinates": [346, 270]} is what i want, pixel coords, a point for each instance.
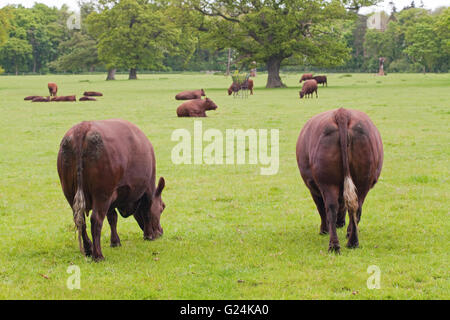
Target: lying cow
{"type": "Point", "coordinates": [308, 89]}
{"type": "Point", "coordinates": [52, 89]}
{"type": "Point", "coordinates": [87, 99]}
{"type": "Point", "coordinates": [104, 166]}
{"type": "Point", "coordinates": [31, 97]}
{"type": "Point", "coordinates": [190, 95]}
{"type": "Point", "coordinates": [234, 88]}
{"type": "Point", "coordinates": [40, 99]}
{"type": "Point", "coordinates": [92, 94]}
{"type": "Point", "coordinates": [64, 98]}
{"type": "Point", "coordinates": [340, 155]}
{"type": "Point", "coordinates": [306, 76]}
{"type": "Point", "coordinates": [321, 80]}
{"type": "Point", "coordinates": [196, 108]}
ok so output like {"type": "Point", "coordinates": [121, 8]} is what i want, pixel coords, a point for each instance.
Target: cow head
{"type": "Point", "coordinates": [203, 93]}
{"type": "Point", "coordinates": [209, 104]}
{"type": "Point", "coordinates": [156, 209]}
{"type": "Point", "coordinates": [302, 94]}
{"type": "Point", "coordinates": [230, 91]}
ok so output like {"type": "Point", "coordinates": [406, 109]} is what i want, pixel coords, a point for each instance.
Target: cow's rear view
{"type": "Point", "coordinates": [340, 155]}
{"type": "Point", "coordinates": [104, 166]}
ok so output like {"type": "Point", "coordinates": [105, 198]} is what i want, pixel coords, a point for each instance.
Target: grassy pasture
{"type": "Point", "coordinates": [229, 232]}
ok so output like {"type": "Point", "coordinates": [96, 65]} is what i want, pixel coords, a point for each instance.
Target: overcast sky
{"type": "Point", "coordinates": [384, 5]}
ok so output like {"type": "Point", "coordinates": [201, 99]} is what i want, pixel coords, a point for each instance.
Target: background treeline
{"type": "Point", "coordinates": [164, 36]}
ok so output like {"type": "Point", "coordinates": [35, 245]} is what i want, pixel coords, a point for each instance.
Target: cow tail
{"type": "Point", "coordinates": [79, 201]}
{"type": "Point", "coordinates": [350, 197]}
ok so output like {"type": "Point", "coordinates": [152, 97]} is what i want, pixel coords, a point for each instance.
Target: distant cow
{"type": "Point", "coordinates": [190, 95]}
{"type": "Point", "coordinates": [87, 99]}
{"type": "Point", "coordinates": [31, 97]}
{"type": "Point", "coordinates": [52, 89]}
{"type": "Point", "coordinates": [196, 108]}
{"type": "Point", "coordinates": [306, 76]}
{"type": "Point", "coordinates": [321, 80]}
{"type": "Point", "coordinates": [64, 98]}
{"type": "Point", "coordinates": [236, 87]}
{"type": "Point", "coordinates": [308, 89]}
{"type": "Point", "coordinates": [92, 94]}
{"type": "Point", "coordinates": [104, 166]}
{"type": "Point", "coordinates": [41, 99]}
{"type": "Point", "coordinates": [340, 155]}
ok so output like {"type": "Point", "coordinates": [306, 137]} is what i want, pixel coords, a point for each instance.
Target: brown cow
{"type": "Point", "coordinates": [190, 95]}
{"type": "Point", "coordinates": [108, 165]}
{"type": "Point", "coordinates": [308, 89]}
{"type": "Point", "coordinates": [52, 89]}
{"type": "Point", "coordinates": [41, 99]}
{"type": "Point", "coordinates": [321, 80]}
{"type": "Point", "coordinates": [64, 98]}
{"type": "Point", "coordinates": [92, 94]}
{"type": "Point", "coordinates": [87, 99]}
{"type": "Point", "coordinates": [235, 87]}
{"type": "Point", "coordinates": [306, 76]}
{"type": "Point", "coordinates": [196, 108]}
{"type": "Point", "coordinates": [31, 97]}
{"type": "Point", "coordinates": [340, 155]}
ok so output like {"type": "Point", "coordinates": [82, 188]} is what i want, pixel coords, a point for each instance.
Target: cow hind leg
{"type": "Point", "coordinates": [352, 230]}
{"type": "Point", "coordinates": [112, 219]}
{"type": "Point", "coordinates": [323, 215]}
{"type": "Point", "coordinates": [87, 243]}
{"type": "Point", "coordinates": [331, 201]}
{"type": "Point", "coordinates": [99, 212]}
{"type": "Point", "coordinates": [341, 214]}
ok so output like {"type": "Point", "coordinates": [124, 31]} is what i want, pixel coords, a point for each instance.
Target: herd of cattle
{"type": "Point", "coordinates": [339, 155]}
{"type": "Point", "coordinates": [53, 90]}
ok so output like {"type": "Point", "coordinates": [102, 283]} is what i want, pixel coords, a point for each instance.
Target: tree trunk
{"type": "Point", "coordinates": [273, 78]}
{"type": "Point", "coordinates": [229, 61]}
{"type": "Point", "coordinates": [133, 74]}
{"type": "Point", "coordinates": [111, 74]}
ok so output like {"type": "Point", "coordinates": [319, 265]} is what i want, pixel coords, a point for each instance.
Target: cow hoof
{"type": "Point", "coordinates": [323, 232]}
{"type": "Point", "coordinates": [334, 248]}
{"type": "Point", "coordinates": [340, 224]}
{"type": "Point", "coordinates": [98, 259]}
{"type": "Point", "coordinates": [115, 244]}
{"type": "Point", "coordinates": [352, 245]}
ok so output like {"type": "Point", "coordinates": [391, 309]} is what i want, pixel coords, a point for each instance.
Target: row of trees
{"type": "Point", "coordinates": [168, 35]}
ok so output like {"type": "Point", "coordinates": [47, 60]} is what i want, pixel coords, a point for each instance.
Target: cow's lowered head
{"type": "Point", "coordinates": [156, 209]}
{"type": "Point", "coordinates": [209, 104]}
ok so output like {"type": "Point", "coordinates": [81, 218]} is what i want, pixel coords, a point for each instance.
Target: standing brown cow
{"type": "Point", "coordinates": [108, 165]}
{"type": "Point", "coordinates": [340, 155]}
{"type": "Point", "coordinates": [306, 76]}
{"type": "Point", "coordinates": [52, 89]}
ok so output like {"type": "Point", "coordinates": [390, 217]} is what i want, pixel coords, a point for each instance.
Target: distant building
{"type": "Point", "coordinates": [378, 21]}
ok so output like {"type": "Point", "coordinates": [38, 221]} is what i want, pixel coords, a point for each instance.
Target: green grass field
{"type": "Point", "coordinates": [229, 232]}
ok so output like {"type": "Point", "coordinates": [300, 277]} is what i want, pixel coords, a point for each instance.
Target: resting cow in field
{"type": "Point", "coordinates": [340, 155]}
{"type": "Point", "coordinates": [87, 99]}
{"type": "Point", "coordinates": [52, 89]}
{"type": "Point", "coordinates": [108, 165]}
{"type": "Point", "coordinates": [41, 99]}
{"type": "Point", "coordinates": [64, 98]}
{"type": "Point", "coordinates": [306, 76]}
{"type": "Point", "coordinates": [236, 87]}
{"type": "Point", "coordinates": [196, 108]}
{"type": "Point", "coordinates": [308, 89]}
{"type": "Point", "coordinates": [321, 80]}
{"type": "Point", "coordinates": [31, 97]}
{"type": "Point", "coordinates": [92, 94]}
{"type": "Point", "coordinates": [190, 95]}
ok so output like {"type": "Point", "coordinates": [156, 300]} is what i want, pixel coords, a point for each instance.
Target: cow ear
{"type": "Point", "coordinates": [160, 187]}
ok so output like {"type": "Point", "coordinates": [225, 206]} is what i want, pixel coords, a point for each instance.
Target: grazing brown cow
{"type": "Point", "coordinates": [196, 108]}
{"type": "Point", "coordinates": [64, 98]}
{"type": "Point", "coordinates": [52, 89]}
{"type": "Point", "coordinates": [321, 80]}
{"type": "Point", "coordinates": [92, 94]}
{"type": "Point", "coordinates": [340, 155]}
{"type": "Point", "coordinates": [306, 76]}
{"type": "Point", "coordinates": [190, 95]}
{"type": "Point", "coordinates": [87, 99]}
{"type": "Point", "coordinates": [41, 99]}
{"type": "Point", "coordinates": [308, 89]}
{"type": "Point", "coordinates": [236, 87]}
{"type": "Point", "coordinates": [108, 165]}
{"type": "Point", "coordinates": [31, 97]}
